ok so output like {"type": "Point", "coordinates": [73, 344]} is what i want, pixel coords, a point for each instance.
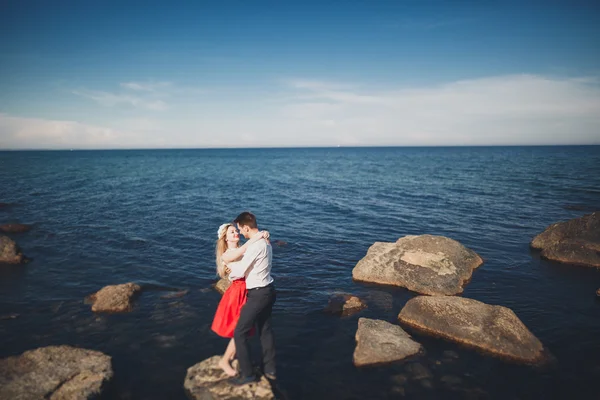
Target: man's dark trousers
{"type": "Point", "coordinates": [256, 311]}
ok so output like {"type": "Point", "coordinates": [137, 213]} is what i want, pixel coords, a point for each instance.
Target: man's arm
{"type": "Point", "coordinates": [240, 268]}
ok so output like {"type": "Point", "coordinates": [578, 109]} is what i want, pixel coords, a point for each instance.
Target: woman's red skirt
{"type": "Point", "coordinates": [228, 311]}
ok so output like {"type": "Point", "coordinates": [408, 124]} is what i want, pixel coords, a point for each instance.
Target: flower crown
{"type": "Point", "coordinates": [222, 230]}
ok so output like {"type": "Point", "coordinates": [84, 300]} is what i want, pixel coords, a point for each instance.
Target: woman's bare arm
{"type": "Point", "coordinates": [234, 254]}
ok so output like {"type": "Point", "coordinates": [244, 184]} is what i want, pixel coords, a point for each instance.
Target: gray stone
{"type": "Point", "coordinates": [492, 329]}
{"type": "Point", "coordinates": [576, 241]}
{"type": "Point", "coordinates": [344, 304]}
{"type": "Point", "coordinates": [55, 373]}
{"type": "Point", "coordinates": [207, 381]}
{"type": "Point", "coordinates": [9, 251]}
{"type": "Point", "coordinates": [114, 298]}
{"type": "Point", "coordinates": [427, 264]}
{"type": "Point", "coordinates": [379, 342]}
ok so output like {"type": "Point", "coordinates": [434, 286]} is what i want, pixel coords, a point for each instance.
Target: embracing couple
{"type": "Point", "coordinates": [246, 305]}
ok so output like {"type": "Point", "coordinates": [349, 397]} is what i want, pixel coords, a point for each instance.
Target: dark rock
{"type": "Point", "coordinates": [10, 252]}
{"type": "Point", "coordinates": [427, 264]}
{"type": "Point", "coordinates": [15, 228]}
{"type": "Point", "coordinates": [114, 298]}
{"type": "Point", "coordinates": [175, 295]}
{"type": "Point", "coordinates": [379, 342]}
{"type": "Point", "coordinates": [418, 371]}
{"type": "Point", "coordinates": [55, 373]}
{"type": "Point", "coordinates": [576, 241]}
{"type": "Point", "coordinates": [451, 380]}
{"type": "Point", "coordinates": [206, 380]}
{"type": "Point", "coordinates": [399, 379]}
{"type": "Point", "coordinates": [492, 329]}
{"type": "Point", "coordinates": [344, 304]}
{"type": "Point", "coordinates": [450, 354]}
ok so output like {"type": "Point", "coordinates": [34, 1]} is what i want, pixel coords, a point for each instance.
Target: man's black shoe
{"type": "Point", "coordinates": [242, 380]}
{"type": "Point", "coordinates": [271, 376]}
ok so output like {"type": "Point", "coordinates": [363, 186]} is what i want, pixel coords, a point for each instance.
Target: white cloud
{"type": "Point", "coordinates": [114, 99]}
{"type": "Point", "coordinates": [146, 86]}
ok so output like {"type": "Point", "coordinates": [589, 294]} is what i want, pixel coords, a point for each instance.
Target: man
{"type": "Point", "coordinates": [256, 267]}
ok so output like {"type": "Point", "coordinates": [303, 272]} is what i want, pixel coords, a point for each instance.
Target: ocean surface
{"type": "Point", "coordinates": [151, 216]}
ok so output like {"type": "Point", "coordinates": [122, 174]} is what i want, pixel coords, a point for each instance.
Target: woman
{"type": "Point", "coordinates": [228, 311]}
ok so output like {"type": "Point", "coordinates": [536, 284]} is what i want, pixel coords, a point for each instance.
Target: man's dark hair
{"type": "Point", "coordinates": [246, 219]}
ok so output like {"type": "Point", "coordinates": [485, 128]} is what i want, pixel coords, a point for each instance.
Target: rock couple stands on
{"type": "Point", "coordinates": [576, 241]}
{"type": "Point", "coordinates": [55, 373]}
{"type": "Point", "coordinates": [427, 264]}
{"type": "Point", "coordinates": [206, 380]}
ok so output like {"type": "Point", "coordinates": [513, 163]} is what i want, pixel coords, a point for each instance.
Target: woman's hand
{"type": "Point", "coordinates": [227, 270]}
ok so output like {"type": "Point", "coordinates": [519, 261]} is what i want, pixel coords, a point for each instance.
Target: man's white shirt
{"type": "Point", "coordinates": [255, 265]}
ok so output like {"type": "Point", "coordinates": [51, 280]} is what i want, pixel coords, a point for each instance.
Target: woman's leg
{"type": "Point", "coordinates": [225, 362]}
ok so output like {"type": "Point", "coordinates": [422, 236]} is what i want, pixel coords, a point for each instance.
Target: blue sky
{"type": "Point", "coordinates": [82, 74]}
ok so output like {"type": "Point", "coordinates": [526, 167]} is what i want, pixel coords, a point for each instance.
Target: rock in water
{"type": "Point", "coordinates": [55, 373]}
{"type": "Point", "coordinates": [344, 304]}
{"type": "Point", "coordinates": [576, 241]}
{"type": "Point", "coordinates": [15, 228]}
{"type": "Point", "coordinates": [493, 329]}
{"type": "Point", "coordinates": [379, 342]}
{"type": "Point", "coordinates": [9, 251]}
{"type": "Point", "coordinates": [207, 381]}
{"type": "Point", "coordinates": [427, 264]}
{"type": "Point", "coordinates": [222, 285]}
{"type": "Point", "coordinates": [114, 298]}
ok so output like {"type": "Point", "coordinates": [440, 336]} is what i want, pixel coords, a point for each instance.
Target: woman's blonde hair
{"type": "Point", "coordinates": [221, 248]}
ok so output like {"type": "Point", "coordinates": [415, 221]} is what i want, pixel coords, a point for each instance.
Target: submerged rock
{"type": "Point", "coordinates": [15, 228]}
{"type": "Point", "coordinates": [492, 329]}
{"type": "Point", "coordinates": [9, 251]}
{"type": "Point", "coordinates": [114, 298]}
{"type": "Point", "coordinates": [55, 372]}
{"type": "Point", "coordinates": [344, 304]}
{"type": "Point", "coordinates": [576, 241]}
{"type": "Point", "coordinates": [379, 342]}
{"type": "Point", "coordinates": [427, 264]}
{"type": "Point", "coordinates": [222, 285]}
{"type": "Point", "coordinates": [206, 380]}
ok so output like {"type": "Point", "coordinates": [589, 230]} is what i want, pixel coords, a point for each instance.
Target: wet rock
{"type": "Point", "coordinates": [399, 390]}
{"type": "Point", "coordinates": [426, 383]}
{"type": "Point", "coordinates": [206, 380]}
{"type": "Point", "coordinates": [379, 342]}
{"type": "Point", "coordinates": [114, 298]}
{"type": "Point", "coordinates": [450, 354]}
{"type": "Point", "coordinates": [10, 252]}
{"type": "Point", "coordinates": [427, 264]}
{"type": "Point", "coordinates": [15, 228]}
{"type": "Point", "coordinates": [399, 379]}
{"type": "Point", "coordinates": [344, 304]}
{"type": "Point", "coordinates": [55, 372]}
{"type": "Point", "coordinates": [451, 380]}
{"type": "Point", "coordinates": [576, 241]}
{"type": "Point", "coordinates": [418, 371]}
{"type": "Point", "coordinates": [492, 329]}
{"type": "Point", "coordinates": [222, 285]}
{"type": "Point", "coordinates": [175, 295]}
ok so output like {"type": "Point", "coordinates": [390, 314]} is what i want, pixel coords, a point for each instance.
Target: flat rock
{"type": "Point", "coordinates": [576, 241]}
{"type": "Point", "coordinates": [344, 304]}
{"type": "Point", "coordinates": [15, 228]}
{"type": "Point", "coordinates": [426, 264]}
{"type": "Point", "coordinates": [379, 342]}
{"type": "Point", "coordinates": [222, 285]}
{"type": "Point", "coordinates": [495, 330]}
{"type": "Point", "coordinates": [55, 373]}
{"type": "Point", "coordinates": [206, 381]}
{"type": "Point", "coordinates": [9, 251]}
{"type": "Point", "coordinates": [114, 298]}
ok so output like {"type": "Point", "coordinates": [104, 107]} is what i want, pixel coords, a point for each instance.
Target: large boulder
{"type": "Point", "coordinates": [492, 329]}
{"type": "Point", "coordinates": [114, 298]}
{"type": "Point", "coordinates": [9, 251]}
{"type": "Point", "coordinates": [15, 228]}
{"type": "Point", "coordinates": [379, 342]}
{"type": "Point", "coordinates": [427, 264]}
{"type": "Point", "coordinates": [222, 285]}
{"type": "Point", "coordinates": [344, 304]}
{"type": "Point", "coordinates": [576, 241]}
{"type": "Point", "coordinates": [55, 373]}
{"type": "Point", "coordinates": [207, 381]}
